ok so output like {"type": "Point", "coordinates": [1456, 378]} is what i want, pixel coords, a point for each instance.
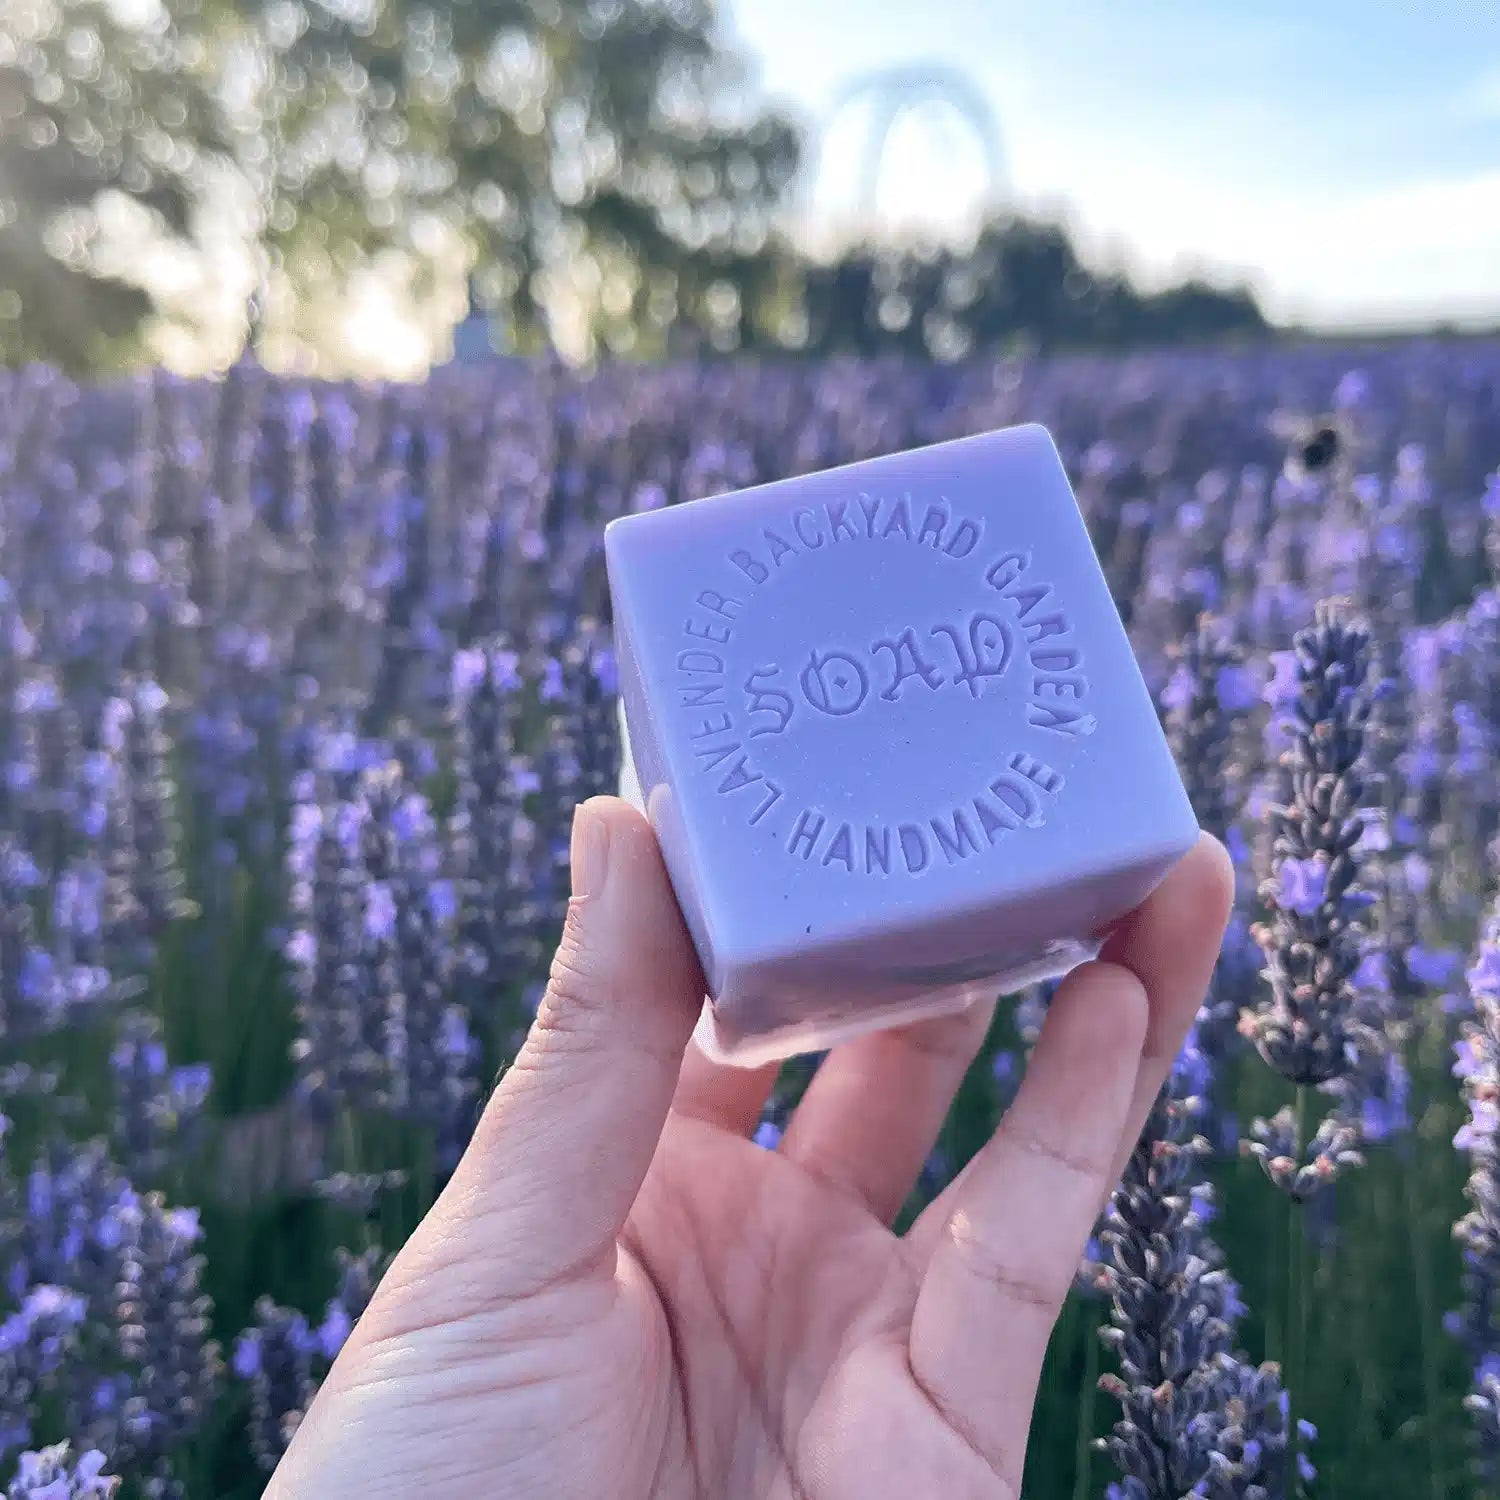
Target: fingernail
{"type": "Point", "coordinates": [590, 849]}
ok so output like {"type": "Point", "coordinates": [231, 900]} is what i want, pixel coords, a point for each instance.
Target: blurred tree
{"type": "Point", "coordinates": [103, 119]}
{"type": "Point", "coordinates": [1020, 284]}
{"type": "Point", "coordinates": [604, 156]}
{"type": "Point", "coordinates": [604, 167]}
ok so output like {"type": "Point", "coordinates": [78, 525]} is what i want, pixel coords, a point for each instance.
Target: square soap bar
{"type": "Point", "coordinates": [890, 733]}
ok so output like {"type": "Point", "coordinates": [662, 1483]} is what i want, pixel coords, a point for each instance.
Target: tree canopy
{"type": "Point", "coordinates": [609, 161]}
{"type": "Point", "coordinates": [1020, 284]}
{"type": "Point", "coordinates": [97, 115]}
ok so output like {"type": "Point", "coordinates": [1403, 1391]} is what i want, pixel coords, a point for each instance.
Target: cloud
{"type": "Point", "coordinates": [1415, 251]}
{"type": "Point", "coordinates": [1317, 250]}
{"type": "Point", "coordinates": [1418, 250]}
{"type": "Point", "coordinates": [1481, 99]}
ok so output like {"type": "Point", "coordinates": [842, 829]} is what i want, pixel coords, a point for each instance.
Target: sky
{"type": "Point", "coordinates": [1343, 156]}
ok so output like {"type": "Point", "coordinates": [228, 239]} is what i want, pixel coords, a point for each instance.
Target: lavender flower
{"type": "Point", "coordinates": [359, 1192]}
{"type": "Point", "coordinates": [381, 995]}
{"type": "Point", "coordinates": [333, 660]}
{"type": "Point", "coordinates": [358, 1276]}
{"type": "Point", "coordinates": [324, 950]}
{"type": "Point", "coordinates": [53, 1474]}
{"type": "Point", "coordinates": [1208, 695]}
{"type": "Point", "coordinates": [1206, 703]}
{"type": "Point", "coordinates": [40, 990]}
{"type": "Point", "coordinates": [44, 769]}
{"type": "Point", "coordinates": [36, 1342]}
{"type": "Point", "coordinates": [77, 1213]}
{"type": "Point", "coordinates": [1249, 1458]}
{"type": "Point", "coordinates": [492, 836]}
{"type": "Point", "coordinates": [1309, 1028]}
{"type": "Point", "coordinates": [376, 958]}
{"type": "Point", "coordinates": [1478, 1232]}
{"type": "Point", "coordinates": [153, 806]}
{"type": "Point", "coordinates": [275, 1359]}
{"type": "Point", "coordinates": [284, 1361]}
{"type": "Point", "coordinates": [158, 1109]}
{"type": "Point", "coordinates": [1174, 1310]}
{"type": "Point", "coordinates": [163, 1317]}
{"type": "Point", "coordinates": [23, 998]}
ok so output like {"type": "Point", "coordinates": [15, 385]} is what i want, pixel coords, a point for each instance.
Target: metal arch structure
{"type": "Point", "coordinates": [896, 91]}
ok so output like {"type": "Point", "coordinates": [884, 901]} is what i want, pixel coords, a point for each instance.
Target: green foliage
{"type": "Point", "coordinates": [614, 145]}
{"type": "Point", "coordinates": [602, 162]}
{"type": "Point", "coordinates": [92, 108]}
{"type": "Point", "coordinates": [1384, 1383]}
{"type": "Point", "coordinates": [1020, 285]}
{"type": "Point", "coordinates": [615, 140]}
{"type": "Point", "coordinates": [1384, 1266]}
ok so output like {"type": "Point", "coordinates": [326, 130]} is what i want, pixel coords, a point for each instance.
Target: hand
{"type": "Point", "coordinates": [620, 1297]}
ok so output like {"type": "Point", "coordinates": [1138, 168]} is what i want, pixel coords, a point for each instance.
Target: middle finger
{"type": "Point", "coordinates": [873, 1111]}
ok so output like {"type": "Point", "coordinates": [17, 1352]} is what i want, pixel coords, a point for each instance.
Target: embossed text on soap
{"type": "Point", "coordinates": [1007, 634]}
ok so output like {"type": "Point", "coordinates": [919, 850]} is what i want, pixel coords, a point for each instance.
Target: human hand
{"type": "Point", "coordinates": [620, 1295]}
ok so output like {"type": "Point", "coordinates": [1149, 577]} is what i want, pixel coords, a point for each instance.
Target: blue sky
{"type": "Point", "coordinates": [1344, 156]}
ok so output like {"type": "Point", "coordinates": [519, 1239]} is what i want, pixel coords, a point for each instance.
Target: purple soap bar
{"type": "Point", "coordinates": [890, 733]}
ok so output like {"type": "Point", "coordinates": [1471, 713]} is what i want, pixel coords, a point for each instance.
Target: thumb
{"type": "Point", "coordinates": [564, 1144]}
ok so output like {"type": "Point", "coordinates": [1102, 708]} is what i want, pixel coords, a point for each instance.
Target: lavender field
{"type": "Point", "coordinates": [299, 684]}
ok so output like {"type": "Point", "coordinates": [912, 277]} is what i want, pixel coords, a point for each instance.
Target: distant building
{"type": "Point", "coordinates": [476, 339]}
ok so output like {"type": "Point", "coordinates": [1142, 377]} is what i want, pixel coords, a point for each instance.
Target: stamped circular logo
{"type": "Point", "coordinates": [879, 692]}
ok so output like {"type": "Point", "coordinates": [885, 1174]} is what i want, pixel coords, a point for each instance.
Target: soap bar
{"type": "Point", "coordinates": [890, 733]}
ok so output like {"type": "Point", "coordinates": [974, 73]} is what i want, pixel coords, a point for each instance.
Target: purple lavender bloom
{"type": "Point", "coordinates": [1478, 1232]}
{"type": "Point", "coordinates": [380, 912]}
{"type": "Point", "coordinates": [143, 816]}
{"type": "Point", "coordinates": [1201, 729]}
{"type": "Point", "coordinates": [275, 1359]}
{"type": "Point", "coordinates": [77, 1206]}
{"type": "Point", "coordinates": [164, 1320]}
{"type": "Point", "coordinates": [53, 1474]}
{"type": "Point", "coordinates": [1384, 1110]}
{"type": "Point", "coordinates": [323, 951]}
{"type": "Point", "coordinates": [358, 1277]}
{"type": "Point", "coordinates": [158, 1110]}
{"type": "Point", "coordinates": [1184, 1428]}
{"type": "Point", "coordinates": [1434, 967]}
{"type": "Point", "coordinates": [1353, 390]}
{"type": "Point", "coordinates": [283, 1361]}
{"type": "Point", "coordinates": [1309, 1027]}
{"type": "Point", "coordinates": [376, 959]}
{"type": "Point", "coordinates": [1477, 1133]}
{"type": "Point", "coordinates": [333, 1332]}
{"type": "Point", "coordinates": [467, 673]}
{"type": "Point", "coordinates": [442, 902]}
{"type": "Point", "coordinates": [246, 1362]}
{"type": "Point", "coordinates": [1005, 1072]}
{"type": "Point", "coordinates": [1235, 688]}
{"type": "Point", "coordinates": [41, 990]}
{"type": "Point", "coordinates": [1177, 695]}
{"type": "Point", "coordinates": [227, 608]}
{"type": "Point", "coordinates": [1282, 690]}
{"type": "Point", "coordinates": [1300, 885]}
{"type": "Point", "coordinates": [36, 1343]}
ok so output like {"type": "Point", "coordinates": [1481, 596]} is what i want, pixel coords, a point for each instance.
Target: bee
{"type": "Point", "coordinates": [1313, 443]}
